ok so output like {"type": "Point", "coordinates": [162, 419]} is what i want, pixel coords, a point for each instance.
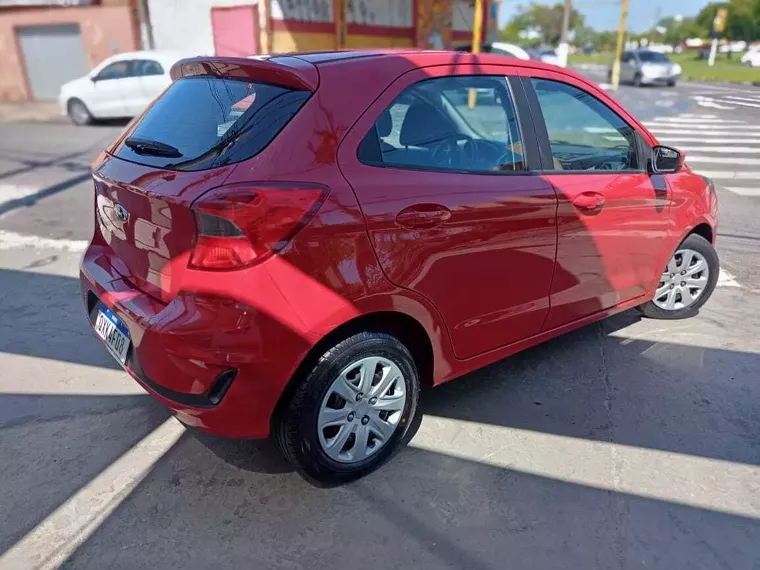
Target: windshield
{"type": "Point", "coordinates": [653, 57]}
{"type": "Point", "coordinates": [210, 121]}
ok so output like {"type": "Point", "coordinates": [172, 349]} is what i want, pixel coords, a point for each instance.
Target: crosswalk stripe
{"type": "Point", "coordinates": [724, 160]}
{"type": "Point", "coordinates": [722, 149]}
{"type": "Point", "coordinates": [744, 104]}
{"type": "Point", "coordinates": [654, 125]}
{"type": "Point", "coordinates": [750, 99]}
{"type": "Point", "coordinates": [729, 174]}
{"type": "Point", "coordinates": [697, 120]}
{"type": "Point", "coordinates": [709, 140]}
{"type": "Point", "coordinates": [705, 134]}
{"type": "Point", "coordinates": [743, 191]}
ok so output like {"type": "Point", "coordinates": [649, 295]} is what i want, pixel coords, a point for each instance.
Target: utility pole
{"type": "Point", "coordinates": [619, 47]}
{"type": "Point", "coordinates": [477, 37]}
{"type": "Point", "coordinates": [564, 48]}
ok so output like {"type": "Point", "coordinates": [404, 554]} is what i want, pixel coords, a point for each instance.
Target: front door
{"type": "Point", "coordinates": [452, 210]}
{"type": "Point", "coordinates": [612, 216]}
{"type": "Point", "coordinates": [109, 92]}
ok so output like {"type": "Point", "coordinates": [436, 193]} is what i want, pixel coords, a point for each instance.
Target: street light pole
{"type": "Point", "coordinates": [619, 47]}
{"type": "Point", "coordinates": [564, 48]}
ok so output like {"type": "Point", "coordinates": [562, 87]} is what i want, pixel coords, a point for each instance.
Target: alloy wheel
{"type": "Point", "coordinates": [361, 410]}
{"type": "Point", "coordinates": [684, 280]}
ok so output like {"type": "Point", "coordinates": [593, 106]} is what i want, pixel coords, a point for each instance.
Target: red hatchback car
{"type": "Point", "coordinates": [295, 245]}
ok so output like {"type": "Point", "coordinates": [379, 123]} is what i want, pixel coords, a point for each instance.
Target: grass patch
{"type": "Point", "coordinates": [692, 68]}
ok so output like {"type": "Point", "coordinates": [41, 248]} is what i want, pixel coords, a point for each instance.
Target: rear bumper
{"type": "Point", "coordinates": [217, 365]}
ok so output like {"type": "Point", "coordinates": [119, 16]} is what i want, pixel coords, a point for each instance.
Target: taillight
{"type": "Point", "coordinates": [241, 225]}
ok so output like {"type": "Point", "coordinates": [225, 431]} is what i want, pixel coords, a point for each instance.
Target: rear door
{"type": "Point", "coordinates": [454, 211]}
{"type": "Point", "coordinates": [612, 216]}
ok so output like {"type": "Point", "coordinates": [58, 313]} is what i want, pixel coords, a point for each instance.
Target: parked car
{"type": "Point", "coordinates": [752, 57]}
{"type": "Point", "coordinates": [506, 49]}
{"type": "Point", "coordinates": [645, 67]}
{"type": "Point", "coordinates": [306, 269]}
{"type": "Point", "coordinates": [121, 86]}
{"type": "Point", "coordinates": [549, 56]}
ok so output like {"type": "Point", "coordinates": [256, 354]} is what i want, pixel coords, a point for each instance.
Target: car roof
{"type": "Point", "coordinates": [417, 57]}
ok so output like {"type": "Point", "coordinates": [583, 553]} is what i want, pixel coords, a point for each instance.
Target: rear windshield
{"type": "Point", "coordinates": [210, 121]}
{"type": "Point", "coordinates": [653, 57]}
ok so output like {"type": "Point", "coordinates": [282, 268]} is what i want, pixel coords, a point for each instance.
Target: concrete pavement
{"type": "Point", "coordinates": [627, 444]}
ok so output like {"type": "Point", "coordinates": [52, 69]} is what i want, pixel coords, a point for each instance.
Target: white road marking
{"type": "Point", "coordinates": [750, 99]}
{"type": "Point", "coordinates": [696, 120]}
{"type": "Point", "coordinates": [697, 115]}
{"type": "Point", "coordinates": [744, 104]}
{"type": "Point", "coordinates": [12, 240]}
{"type": "Point", "coordinates": [62, 532]}
{"type": "Point", "coordinates": [725, 279]}
{"type": "Point", "coordinates": [10, 192]}
{"type": "Point", "coordinates": [743, 191]}
{"type": "Point", "coordinates": [664, 131]}
{"type": "Point", "coordinates": [724, 160]}
{"type": "Point", "coordinates": [722, 149]}
{"type": "Point", "coordinates": [710, 140]}
{"type": "Point", "coordinates": [701, 127]}
{"type": "Point", "coordinates": [730, 174]}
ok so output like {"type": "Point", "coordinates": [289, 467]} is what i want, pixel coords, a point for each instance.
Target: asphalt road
{"type": "Point", "coordinates": [626, 444]}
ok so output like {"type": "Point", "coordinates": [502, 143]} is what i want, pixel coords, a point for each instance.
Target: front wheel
{"type": "Point", "coordinates": [352, 410]}
{"type": "Point", "coordinates": [637, 80]}
{"type": "Point", "coordinates": [78, 112]}
{"type": "Point", "coordinates": [688, 281]}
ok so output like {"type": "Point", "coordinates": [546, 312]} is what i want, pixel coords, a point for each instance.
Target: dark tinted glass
{"type": "Point", "coordinates": [143, 67]}
{"type": "Point", "coordinates": [653, 57]}
{"type": "Point", "coordinates": [213, 121]}
{"type": "Point", "coordinates": [116, 70]}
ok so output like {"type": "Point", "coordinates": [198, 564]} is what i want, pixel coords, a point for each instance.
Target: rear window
{"type": "Point", "coordinates": [211, 121]}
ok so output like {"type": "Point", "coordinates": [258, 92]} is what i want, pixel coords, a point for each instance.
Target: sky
{"type": "Point", "coordinates": [605, 14]}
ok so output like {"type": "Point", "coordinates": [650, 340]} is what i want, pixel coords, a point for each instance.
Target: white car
{"type": "Point", "coordinates": [752, 58]}
{"type": "Point", "coordinates": [121, 86]}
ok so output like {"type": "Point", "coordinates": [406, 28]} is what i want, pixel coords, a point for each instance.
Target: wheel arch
{"type": "Point", "coordinates": [408, 329]}
{"type": "Point", "coordinates": [703, 229]}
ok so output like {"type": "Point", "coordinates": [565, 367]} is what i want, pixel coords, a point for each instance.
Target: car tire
{"type": "Point", "coordinates": [637, 80]}
{"type": "Point", "coordinates": [78, 112]}
{"type": "Point", "coordinates": [671, 83]}
{"type": "Point", "coordinates": [704, 249]}
{"type": "Point", "coordinates": [300, 429]}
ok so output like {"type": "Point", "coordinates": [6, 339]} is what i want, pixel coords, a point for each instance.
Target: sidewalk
{"type": "Point", "coordinates": [35, 112]}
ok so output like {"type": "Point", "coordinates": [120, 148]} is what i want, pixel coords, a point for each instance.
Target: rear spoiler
{"type": "Point", "coordinates": [285, 71]}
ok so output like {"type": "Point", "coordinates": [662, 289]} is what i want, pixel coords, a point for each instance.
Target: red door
{"type": "Point", "coordinates": [236, 30]}
{"type": "Point", "coordinates": [612, 216]}
{"type": "Point", "coordinates": [451, 212]}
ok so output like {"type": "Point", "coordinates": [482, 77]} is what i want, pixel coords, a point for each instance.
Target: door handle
{"type": "Point", "coordinates": [589, 201]}
{"type": "Point", "coordinates": [421, 216]}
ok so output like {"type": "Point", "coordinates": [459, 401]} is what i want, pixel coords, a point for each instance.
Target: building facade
{"type": "Point", "coordinates": [43, 43]}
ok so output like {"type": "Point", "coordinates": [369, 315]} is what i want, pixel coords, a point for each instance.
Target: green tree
{"type": "Point", "coordinates": [678, 31]}
{"type": "Point", "coordinates": [742, 23]}
{"type": "Point", "coordinates": [544, 17]}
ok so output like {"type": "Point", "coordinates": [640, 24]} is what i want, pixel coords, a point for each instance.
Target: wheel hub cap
{"type": "Point", "coordinates": [683, 281]}
{"type": "Point", "coordinates": [361, 410]}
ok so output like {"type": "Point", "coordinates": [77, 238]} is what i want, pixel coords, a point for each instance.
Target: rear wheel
{"type": "Point", "coordinates": [671, 83]}
{"type": "Point", "coordinates": [78, 112]}
{"type": "Point", "coordinates": [352, 410]}
{"type": "Point", "coordinates": [687, 282]}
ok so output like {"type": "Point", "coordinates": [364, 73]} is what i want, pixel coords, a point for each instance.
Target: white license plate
{"type": "Point", "coordinates": [114, 333]}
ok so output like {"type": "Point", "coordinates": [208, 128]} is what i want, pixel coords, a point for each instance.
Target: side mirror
{"type": "Point", "coordinates": [665, 160]}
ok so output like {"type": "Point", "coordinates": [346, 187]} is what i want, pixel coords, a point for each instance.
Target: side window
{"type": "Point", "coordinates": [116, 70]}
{"type": "Point", "coordinates": [143, 67]}
{"type": "Point", "coordinates": [584, 133]}
{"type": "Point", "coordinates": [462, 123]}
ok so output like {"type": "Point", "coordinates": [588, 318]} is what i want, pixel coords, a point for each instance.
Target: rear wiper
{"type": "Point", "coordinates": [151, 147]}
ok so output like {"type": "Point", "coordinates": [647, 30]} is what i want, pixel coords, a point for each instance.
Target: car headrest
{"type": "Point", "coordinates": [384, 124]}
{"type": "Point", "coordinates": [424, 124]}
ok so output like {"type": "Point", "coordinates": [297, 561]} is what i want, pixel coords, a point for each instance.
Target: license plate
{"type": "Point", "coordinates": [114, 333]}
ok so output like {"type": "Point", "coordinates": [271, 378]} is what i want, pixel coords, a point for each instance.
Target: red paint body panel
{"type": "Point", "coordinates": [512, 263]}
